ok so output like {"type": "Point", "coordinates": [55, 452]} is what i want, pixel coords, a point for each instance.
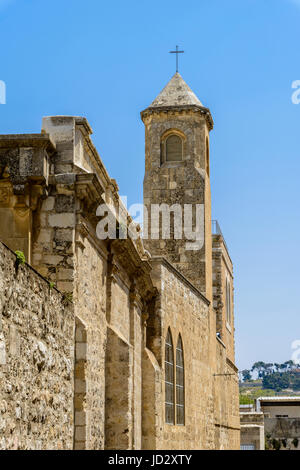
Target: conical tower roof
{"type": "Point", "coordinates": [176, 93]}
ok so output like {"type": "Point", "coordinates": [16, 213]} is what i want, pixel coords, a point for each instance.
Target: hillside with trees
{"type": "Point", "coordinates": [269, 379]}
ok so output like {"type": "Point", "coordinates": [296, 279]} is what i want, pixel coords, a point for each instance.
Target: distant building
{"type": "Point", "coordinates": [282, 421]}
{"type": "Point", "coordinates": [272, 423]}
{"type": "Point", "coordinates": [279, 407]}
{"type": "Point", "coordinates": [252, 428]}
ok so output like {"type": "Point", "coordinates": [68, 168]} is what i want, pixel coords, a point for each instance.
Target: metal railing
{"type": "Point", "coordinates": [216, 230]}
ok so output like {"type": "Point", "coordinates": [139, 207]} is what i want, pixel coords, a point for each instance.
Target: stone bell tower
{"type": "Point", "coordinates": [177, 128]}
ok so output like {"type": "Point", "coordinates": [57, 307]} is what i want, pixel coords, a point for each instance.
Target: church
{"type": "Point", "coordinates": [121, 341]}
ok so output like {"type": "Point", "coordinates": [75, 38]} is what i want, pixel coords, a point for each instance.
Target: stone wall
{"type": "Point", "coordinates": [282, 428]}
{"type": "Point", "coordinates": [122, 309]}
{"type": "Point", "coordinates": [252, 431]}
{"type": "Point", "coordinates": [36, 360]}
{"type": "Point", "coordinates": [226, 392]}
{"type": "Point", "coordinates": [80, 387]}
{"type": "Point", "coordinates": [104, 285]}
{"type": "Point", "coordinates": [24, 169]}
{"type": "Point", "coordinates": [185, 311]}
{"type": "Point", "coordinates": [119, 389]}
{"type": "Point", "coordinates": [211, 405]}
{"type": "Point", "coordinates": [90, 277]}
{"type": "Point", "coordinates": [182, 182]}
{"type": "Point", "coordinates": [222, 271]}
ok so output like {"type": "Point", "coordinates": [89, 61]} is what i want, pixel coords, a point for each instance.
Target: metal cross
{"type": "Point", "coordinates": [176, 52]}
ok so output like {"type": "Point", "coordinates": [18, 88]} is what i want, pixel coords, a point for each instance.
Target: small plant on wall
{"type": "Point", "coordinates": [20, 258]}
{"type": "Point", "coordinates": [67, 298]}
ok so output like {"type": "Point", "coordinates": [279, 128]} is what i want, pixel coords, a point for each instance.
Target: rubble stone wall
{"type": "Point", "coordinates": [36, 360]}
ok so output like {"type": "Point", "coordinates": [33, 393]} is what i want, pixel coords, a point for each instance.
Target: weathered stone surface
{"type": "Point", "coordinates": [223, 276]}
{"type": "Point", "coordinates": [106, 364]}
{"type": "Point", "coordinates": [36, 377]}
{"type": "Point", "coordinates": [176, 93]}
{"type": "Point", "coordinates": [63, 220]}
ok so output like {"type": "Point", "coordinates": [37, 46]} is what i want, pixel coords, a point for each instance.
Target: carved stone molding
{"type": "Point", "coordinates": [176, 110]}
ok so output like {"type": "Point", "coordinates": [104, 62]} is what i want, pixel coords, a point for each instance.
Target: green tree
{"type": "Point", "coordinates": [246, 374]}
{"type": "Point", "coordinates": [277, 381]}
{"type": "Point", "coordinates": [290, 365]}
{"type": "Point", "coordinates": [259, 367]}
{"type": "Point", "coordinates": [277, 367]}
{"type": "Point", "coordinates": [246, 400]}
{"type": "Point", "coordinates": [269, 368]}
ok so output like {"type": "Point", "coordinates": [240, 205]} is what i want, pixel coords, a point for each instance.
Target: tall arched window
{"type": "Point", "coordinates": [169, 380]}
{"type": "Point", "coordinates": [173, 148]}
{"type": "Point", "coordinates": [180, 412]}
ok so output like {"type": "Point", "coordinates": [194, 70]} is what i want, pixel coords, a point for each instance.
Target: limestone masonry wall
{"type": "Point", "coordinates": [186, 312]}
{"type": "Point", "coordinates": [90, 374]}
{"type": "Point", "coordinates": [36, 360]}
{"type": "Point", "coordinates": [90, 307]}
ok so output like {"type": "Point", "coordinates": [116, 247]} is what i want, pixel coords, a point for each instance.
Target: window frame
{"type": "Point", "coordinates": [170, 136]}
{"type": "Point", "coordinates": [163, 146]}
{"type": "Point", "coordinates": [169, 382]}
{"type": "Point", "coordinates": [174, 368]}
{"type": "Point", "coordinates": [182, 385]}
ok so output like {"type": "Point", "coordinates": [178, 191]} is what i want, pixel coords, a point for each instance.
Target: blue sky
{"type": "Point", "coordinates": [108, 61]}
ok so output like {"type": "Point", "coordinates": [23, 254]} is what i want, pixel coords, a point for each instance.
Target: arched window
{"type": "Point", "coordinates": [169, 380]}
{"type": "Point", "coordinates": [180, 412]}
{"type": "Point", "coordinates": [173, 148]}
{"type": "Point", "coordinates": [228, 302]}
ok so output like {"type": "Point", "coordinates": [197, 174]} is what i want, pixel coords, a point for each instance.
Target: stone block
{"type": "Point", "coordinates": [14, 341]}
{"type": "Point", "coordinates": [65, 286]}
{"type": "Point", "coordinates": [81, 351]}
{"type": "Point", "coordinates": [2, 351]}
{"type": "Point", "coordinates": [64, 203]}
{"type": "Point", "coordinates": [80, 386]}
{"type": "Point", "coordinates": [80, 418]}
{"type": "Point", "coordinates": [52, 259]}
{"type": "Point", "coordinates": [44, 236]}
{"type": "Point", "coordinates": [63, 220]}
{"type": "Point", "coordinates": [64, 235]}
{"type": "Point", "coordinates": [79, 445]}
{"type": "Point", "coordinates": [65, 274]}
{"type": "Point", "coordinates": [80, 433]}
{"type": "Point", "coordinates": [48, 204]}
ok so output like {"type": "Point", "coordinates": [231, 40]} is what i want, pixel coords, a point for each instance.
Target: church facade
{"type": "Point", "coordinates": [120, 341]}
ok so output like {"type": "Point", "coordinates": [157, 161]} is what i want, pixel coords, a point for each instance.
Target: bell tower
{"type": "Point", "coordinates": [177, 220]}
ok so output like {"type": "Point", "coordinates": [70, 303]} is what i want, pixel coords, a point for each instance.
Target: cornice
{"type": "Point", "coordinates": [232, 365]}
{"type": "Point", "coordinates": [88, 188]}
{"type": "Point", "coordinates": [180, 109]}
{"type": "Point", "coordinates": [42, 140]}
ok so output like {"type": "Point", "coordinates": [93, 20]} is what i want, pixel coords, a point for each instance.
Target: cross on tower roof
{"type": "Point", "coordinates": [176, 52]}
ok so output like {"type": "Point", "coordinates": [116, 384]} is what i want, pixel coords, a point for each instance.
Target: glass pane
{"type": "Point", "coordinates": [169, 381]}
{"type": "Point", "coordinates": [179, 376]}
{"type": "Point", "coordinates": [180, 415]}
{"type": "Point", "coordinates": [180, 404]}
{"type": "Point", "coordinates": [169, 414]}
{"type": "Point", "coordinates": [169, 393]}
